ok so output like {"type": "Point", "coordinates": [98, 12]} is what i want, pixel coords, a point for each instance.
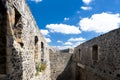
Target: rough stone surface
{"type": "Point", "coordinates": [20, 43]}
{"type": "Point", "coordinates": [23, 48]}
{"type": "Point", "coordinates": [99, 58]}
{"type": "Point", "coordinates": [58, 62]}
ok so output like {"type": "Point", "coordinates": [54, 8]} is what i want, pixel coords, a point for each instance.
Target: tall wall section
{"type": "Point", "coordinates": [59, 62]}
{"type": "Point", "coordinates": [22, 46]}
{"type": "Point", "coordinates": [3, 33]}
{"type": "Point", "coordinates": [99, 58]}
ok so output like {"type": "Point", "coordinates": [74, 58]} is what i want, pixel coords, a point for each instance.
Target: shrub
{"type": "Point", "coordinates": [40, 67]}
{"type": "Point", "coordinates": [43, 66]}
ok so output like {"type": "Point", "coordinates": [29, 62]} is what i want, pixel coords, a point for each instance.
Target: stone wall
{"type": "Point", "coordinates": [3, 30]}
{"type": "Point", "coordinates": [23, 50]}
{"type": "Point", "coordinates": [22, 46]}
{"type": "Point", "coordinates": [58, 62]}
{"type": "Point", "coordinates": [99, 58]}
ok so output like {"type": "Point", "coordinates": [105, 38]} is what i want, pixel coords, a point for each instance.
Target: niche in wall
{"type": "Point", "coordinates": [18, 27]}
{"type": "Point", "coordinates": [36, 47]}
{"type": "Point", "coordinates": [79, 54]}
{"type": "Point", "coordinates": [94, 53]}
{"type": "Point", "coordinates": [42, 51]}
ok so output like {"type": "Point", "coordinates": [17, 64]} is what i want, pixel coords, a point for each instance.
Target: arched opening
{"type": "Point", "coordinates": [95, 53]}
{"type": "Point", "coordinates": [36, 47]}
{"type": "Point", "coordinates": [79, 54]}
{"type": "Point", "coordinates": [36, 40]}
{"type": "Point", "coordinates": [42, 51]}
{"type": "Point", "coordinates": [3, 42]}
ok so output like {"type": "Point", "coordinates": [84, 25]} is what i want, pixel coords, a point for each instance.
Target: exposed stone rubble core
{"type": "Point", "coordinates": [22, 46]}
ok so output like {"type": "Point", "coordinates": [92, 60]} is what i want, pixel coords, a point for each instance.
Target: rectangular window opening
{"type": "Point", "coordinates": [95, 53]}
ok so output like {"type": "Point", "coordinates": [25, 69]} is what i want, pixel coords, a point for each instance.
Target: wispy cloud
{"type": "Point", "coordinates": [37, 1]}
{"type": "Point", "coordinates": [62, 47]}
{"type": "Point", "coordinates": [72, 42]}
{"type": "Point", "coordinates": [44, 32]}
{"type": "Point", "coordinates": [63, 28]}
{"type": "Point", "coordinates": [78, 43]}
{"type": "Point", "coordinates": [77, 39]}
{"type": "Point", "coordinates": [48, 40]}
{"type": "Point", "coordinates": [60, 41]}
{"type": "Point", "coordinates": [87, 2]}
{"type": "Point", "coordinates": [100, 23]}
{"type": "Point", "coordinates": [68, 43]}
{"type": "Point", "coordinates": [66, 19]}
{"type": "Point", "coordinates": [86, 8]}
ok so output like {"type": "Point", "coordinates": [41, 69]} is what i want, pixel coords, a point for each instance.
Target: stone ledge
{"type": "Point", "coordinates": [81, 65]}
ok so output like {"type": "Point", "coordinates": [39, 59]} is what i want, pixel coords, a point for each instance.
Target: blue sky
{"type": "Point", "coordinates": [68, 23]}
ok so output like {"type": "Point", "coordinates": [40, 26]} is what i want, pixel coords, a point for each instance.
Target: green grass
{"type": "Point", "coordinates": [40, 67]}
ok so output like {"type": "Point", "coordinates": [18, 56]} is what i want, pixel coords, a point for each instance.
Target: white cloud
{"type": "Point", "coordinates": [63, 28]}
{"type": "Point", "coordinates": [87, 1]}
{"type": "Point", "coordinates": [48, 40]}
{"type": "Point", "coordinates": [62, 47]}
{"type": "Point", "coordinates": [65, 19]}
{"type": "Point", "coordinates": [44, 32]}
{"type": "Point", "coordinates": [59, 41]}
{"type": "Point", "coordinates": [72, 42]}
{"type": "Point", "coordinates": [37, 1]}
{"type": "Point", "coordinates": [77, 39]}
{"type": "Point", "coordinates": [78, 43]}
{"type": "Point", "coordinates": [86, 8]}
{"type": "Point", "coordinates": [100, 23]}
{"type": "Point", "coordinates": [68, 43]}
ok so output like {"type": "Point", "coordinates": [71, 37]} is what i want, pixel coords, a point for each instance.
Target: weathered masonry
{"type": "Point", "coordinates": [24, 53]}
{"type": "Point", "coordinates": [3, 34]}
{"type": "Point", "coordinates": [59, 61]}
{"type": "Point", "coordinates": [99, 58]}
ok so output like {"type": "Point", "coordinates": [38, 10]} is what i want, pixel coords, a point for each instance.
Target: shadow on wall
{"type": "Point", "coordinates": [10, 61]}
{"type": "Point", "coordinates": [2, 38]}
{"type": "Point", "coordinates": [14, 45]}
{"type": "Point", "coordinates": [16, 61]}
{"type": "Point", "coordinates": [67, 74]}
{"type": "Point", "coordinates": [15, 54]}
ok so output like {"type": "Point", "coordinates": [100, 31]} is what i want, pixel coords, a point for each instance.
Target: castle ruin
{"type": "Point", "coordinates": [25, 55]}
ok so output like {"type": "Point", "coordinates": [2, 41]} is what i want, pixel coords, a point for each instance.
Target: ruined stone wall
{"type": "Point", "coordinates": [21, 40]}
{"type": "Point", "coordinates": [58, 62]}
{"type": "Point", "coordinates": [99, 58]}
{"type": "Point", "coordinates": [3, 24]}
